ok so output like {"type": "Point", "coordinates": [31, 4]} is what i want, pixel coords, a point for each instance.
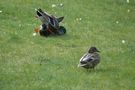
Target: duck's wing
{"type": "Point", "coordinates": [95, 56]}
{"type": "Point", "coordinates": [83, 57]}
{"type": "Point", "coordinates": [90, 58]}
{"type": "Point", "coordinates": [84, 60]}
{"type": "Point", "coordinates": [95, 59]}
{"type": "Point", "coordinates": [87, 58]}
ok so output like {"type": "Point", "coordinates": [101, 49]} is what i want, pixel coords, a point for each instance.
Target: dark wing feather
{"type": "Point", "coordinates": [60, 19]}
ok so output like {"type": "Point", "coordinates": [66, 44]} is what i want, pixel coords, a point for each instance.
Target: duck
{"type": "Point", "coordinates": [50, 24]}
{"type": "Point", "coordinates": [90, 59]}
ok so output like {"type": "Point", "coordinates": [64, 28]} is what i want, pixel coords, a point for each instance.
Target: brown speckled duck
{"type": "Point", "coordinates": [90, 59]}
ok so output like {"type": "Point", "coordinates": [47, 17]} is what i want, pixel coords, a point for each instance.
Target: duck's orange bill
{"type": "Point", "coordinates": [37, 30]}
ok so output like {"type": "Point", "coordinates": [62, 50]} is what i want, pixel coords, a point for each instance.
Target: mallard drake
{"type": "Point", "coordinates": [50, 24]}
{"type": "Point", "coordinates": [90, 59]}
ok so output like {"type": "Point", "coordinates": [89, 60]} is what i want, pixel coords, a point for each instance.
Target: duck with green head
{"type": "Point", "coordinates": [50, 24]}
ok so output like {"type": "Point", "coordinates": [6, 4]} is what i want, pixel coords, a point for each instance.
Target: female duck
{"type": "Point", "coordinates": [90, 59]}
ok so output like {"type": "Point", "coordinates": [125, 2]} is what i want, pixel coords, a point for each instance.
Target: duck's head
{"type": "Point", "coordinates": [93, 49]}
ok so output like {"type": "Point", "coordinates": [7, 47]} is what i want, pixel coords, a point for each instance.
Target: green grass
{"type": "Point", "coordinates": [39, 63]}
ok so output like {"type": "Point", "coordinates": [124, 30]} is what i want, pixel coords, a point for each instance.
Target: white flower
{"type": "Point", "coordinates": [80, 19]}
{"type": "Point", "coordinates": [35, 9]}
{"type": "Point", "coordinates": [128, 10]}
{"type": "Point", "coordinates": [34, 34]}
{"type": "Point", "coordinates": [117, 22]}
{"type": "Point", "coordinates": [20, 25]}
{"type": "Point", "coordinates": [123, 41]}
{"type": "Point", "coordinates": [0, 11]}
{"type": "Point", "coordinates": [127, 1]}
{"type": "Point", "coordinates": [61, 4]}
{"type": "Point", "coordinates": [53, 5]}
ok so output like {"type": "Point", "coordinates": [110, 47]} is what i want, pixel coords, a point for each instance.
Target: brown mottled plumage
{"type": "Point", "coordinates": [90, 59]}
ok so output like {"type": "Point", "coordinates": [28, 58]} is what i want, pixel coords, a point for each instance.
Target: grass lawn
{"type": "Point", "coordinates": [30, 62]}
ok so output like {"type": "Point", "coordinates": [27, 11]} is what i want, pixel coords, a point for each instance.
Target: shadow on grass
{"type": "Point", "coordinates": [42, 60]}
{"type": "Point", "coordinates": [64, 37]}
{"type": "Point", "coordinates": [102, 70]}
